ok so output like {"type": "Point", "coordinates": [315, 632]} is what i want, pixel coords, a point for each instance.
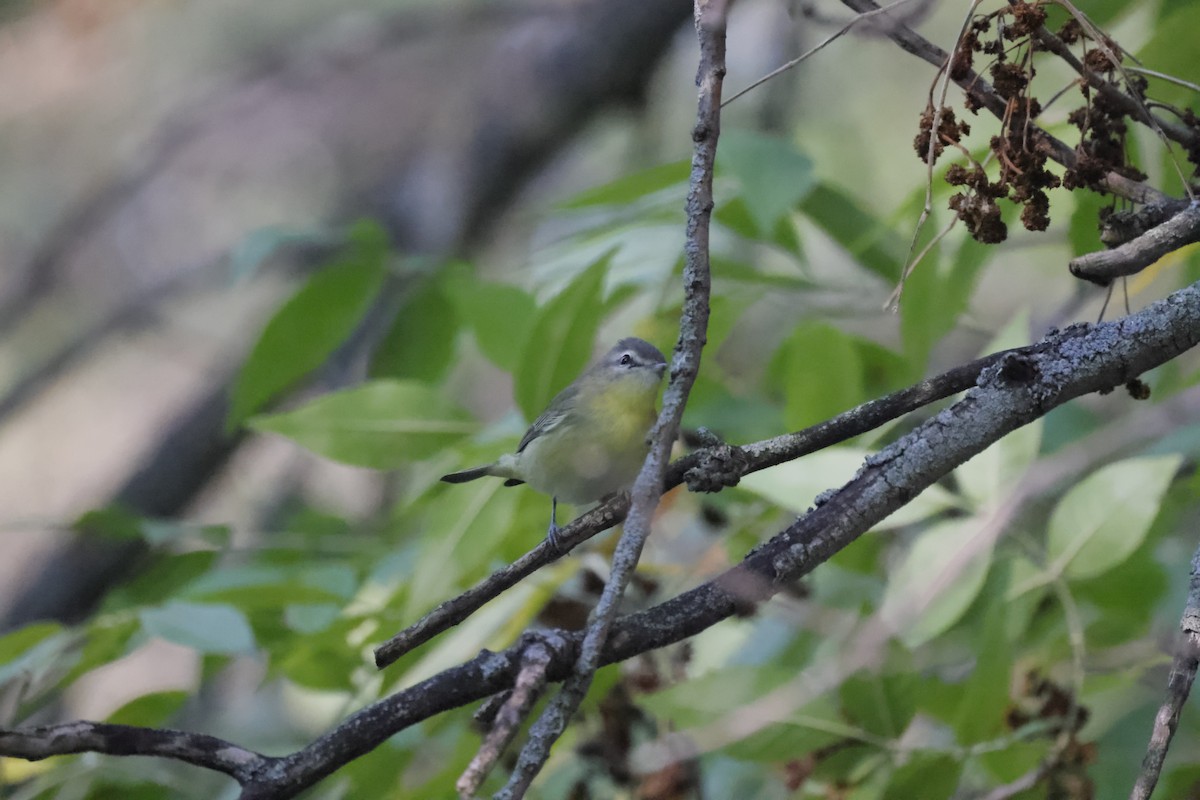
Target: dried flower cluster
{"type": "Point", "coordinates": [1010, 38]}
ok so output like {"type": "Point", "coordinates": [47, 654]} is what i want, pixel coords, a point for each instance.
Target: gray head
{"type": "Point", "coordinates": [635, 354]}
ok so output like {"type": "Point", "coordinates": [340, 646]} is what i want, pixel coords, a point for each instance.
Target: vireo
{"type": "Point", "coordinates": [591, 440]}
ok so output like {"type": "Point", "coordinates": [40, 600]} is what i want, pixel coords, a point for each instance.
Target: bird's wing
{"type": "Point", "coordinates": [561, 407]}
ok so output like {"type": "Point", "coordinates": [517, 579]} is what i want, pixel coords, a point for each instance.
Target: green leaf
{"type": "Point", "coordinates": [935, 295]}
{"type": "Point", "coordinates": [927, 775]}
{"type": "Point", "coordinates": [794, 484]}
{"type": "Point", "coordinates": [883, 705]}
{"type": "Point", "coordinates": [149, 710]}
{"type": "Point", "coordinates": [381, 424]}
{"type": "Point", "coordinates": [500, 315]}
{"type": "Point", "coordinates": [309, 327]}
{"type": "Point", "coordinates": [774, 176]}
{"type": "Point", "coordinates": [420, 344]}
{"type": "Point", "coordinates": [1101, 521]}
{"type": "Point", "coordinates": [981, 712]}
{"type": "Point", "coordinates": [635, 186]}
{"type": "Point", "coordinates": [936, 581]}
{"type": "Point", "coordinates": [821, 373]}
{"type": "Point", "coordinates": [31, 650]}
{"type": "Point", "coordinates": [862, 234]}
{"type": "Point", "coordinates": [208, 628]}
{"type": "Point", "coordinates": [560, 341]}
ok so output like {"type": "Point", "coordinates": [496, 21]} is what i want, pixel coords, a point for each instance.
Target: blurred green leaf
{"type": "Point", "coordinates": [774, 176]}
{"type": "Point", "coordinates": [310, 618]}
{"type": "Point", "coordinates": [821, 373]}
{"type": "Point", "coordinates": [633, 186]}
{"type": "Point", "coordinates": [1102, 520]}
{"type": "Point", "coordinates": [461, 539]}
{"type": "Point", "coordinates": [794, 484]}
{"type": "Point", "coordinates": [208, 628]}
{"type": "Point", "coordinates": [500, 315]}
{"type": "Point", "coordinates": [862, 234]}
{"type": "Point", "coordinates": [937, 579]}
{"type": "Point", "coordinates": [981, 714]}
{"type": "Point", "coordinates": [935, 296]}
{"type": "Point", "coordinates": [736, 215]}
{"type": "Point", "coordinates": [420, 344]}
{"type": "Point", "coordinates": [560, 340]}
{"type": "Point", "coordinates": [928, 776]}
{"type": "Point", "coordinates": [880, 704]}
{"type": "Point", "coordinates": [381, 424]}
{"type": "Point", "coordinates": [150, 710]}
{"type": "Point", "coordinates": [310, 326]}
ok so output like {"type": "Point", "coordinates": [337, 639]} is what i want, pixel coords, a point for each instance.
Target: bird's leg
{"type": "Point", "coordinates": [552, 533]}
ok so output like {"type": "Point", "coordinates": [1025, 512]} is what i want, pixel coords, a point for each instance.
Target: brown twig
{"type": "Point", "coordinates": [527, 688]}
{"type": "Point", "coordinates": [1179, 686]}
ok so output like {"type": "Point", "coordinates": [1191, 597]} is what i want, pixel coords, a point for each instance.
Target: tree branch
{"type": "Point", "coordinates": [1103, 266]}
{"type": "Point", "coordinates": [1179, 686]}
{"type": "Point", "coordinates": [707, 470]}
{"type": "Point", "coordinates": [68, 738]}
{"type": "Point", "coordinates": [710, 16]}
{"type": "Point", "coordinates": [1019, 388]}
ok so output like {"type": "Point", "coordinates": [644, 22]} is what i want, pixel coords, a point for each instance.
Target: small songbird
{"type": "Point", "coordinates": [592, 438]}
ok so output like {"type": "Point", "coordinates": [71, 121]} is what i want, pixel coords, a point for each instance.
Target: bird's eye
{"type": "Point", "coordinates": [626, 360]}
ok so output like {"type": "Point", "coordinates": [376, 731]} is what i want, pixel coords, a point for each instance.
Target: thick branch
{"type": "Point", "coordinates": [1103, 266]}
{"type": "Point", "coordinates": [205, 751]}
{"type": "Point", "coordinates": [1179, 686]}
{"type": "Point", "coordinates": [703, 470]}
{"type": "Point", "coordinates": [1020, 388]}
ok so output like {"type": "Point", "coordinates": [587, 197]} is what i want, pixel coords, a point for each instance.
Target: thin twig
{"type": "Point", "coordinates": [527, 688]}
{"type": "Point", "coordinates": [814, 50]}
{"type": "Point", "coordinates": [647, 490]}
{"type": "Point", "coordinates": [1179, 686]}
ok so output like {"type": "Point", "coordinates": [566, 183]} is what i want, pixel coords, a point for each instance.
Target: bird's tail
{"type": "Point", "coordinates": [468, 474]}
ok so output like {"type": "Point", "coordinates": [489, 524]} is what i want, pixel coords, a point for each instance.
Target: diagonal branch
{"type": "Point", "coordinates": [1019, 388]}
{"type": "Point", "coordinates": [708, 469]}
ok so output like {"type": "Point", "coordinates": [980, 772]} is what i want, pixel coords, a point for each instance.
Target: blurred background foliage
{"type": "Point", "coordinates": [273, 268]}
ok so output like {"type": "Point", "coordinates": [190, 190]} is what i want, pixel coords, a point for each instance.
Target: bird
{"type": "Point", "coordinates": [592, 438]}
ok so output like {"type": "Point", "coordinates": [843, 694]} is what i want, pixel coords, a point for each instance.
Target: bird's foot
{"type": "Point", "coordinates": [554, 539]}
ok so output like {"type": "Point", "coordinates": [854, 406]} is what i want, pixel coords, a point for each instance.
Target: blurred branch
{"type": "Point", "coordinates": [710, 19]}
{"type": "Point", "coordinates": [706, 470]}
{"type": "Point", "coordinates": [1179, 686]}
{"type": "Point", "coordinates": [1019, 388]}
